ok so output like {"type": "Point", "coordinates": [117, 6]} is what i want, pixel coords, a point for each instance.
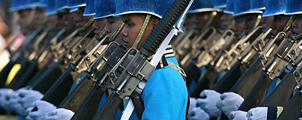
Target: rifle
{"type": "Point", "coordinates": [17, 57]}
{"type": "Point", "coordinates": [43, 82]}
{"type": "Point", "coordinates": [139, 68]}
{"type": "Point", "coordinates": [25, 59]}
{"type": "Point", "coordinates": [242, 62]}
{"type": "Point", "coordinates": [32, 59]}
{"type": "Point", "coordinates": [197, 45]}
{"type": "Point", "coordinates": [229, 54]}
{"type": "Point", "coordinates": [87, 108]}
{"type": "Point", "coordinates": [272, 70]}
{"type": "Point", "coordinates": [293, 108]}
{"type": "Point", "coordinates": [191, 64]}
{"type": "Point", "coordinates": [247, 81]}
{"type": "Point", "coordinates": [186, 45]}
{"type": "Point", "coordinates": [73, 100]}
{"type": "Point", "coordinates": [286, 86]}
{"type": "Point", "coordinates": [208, 54]}
{"type": "Point", "coordinates": [63, 84]}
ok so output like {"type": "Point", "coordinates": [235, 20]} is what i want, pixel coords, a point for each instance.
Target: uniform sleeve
{"type": "Point", "coordinates": [274, 112]}
{"type": "Point", "coordinates": [165, 96]}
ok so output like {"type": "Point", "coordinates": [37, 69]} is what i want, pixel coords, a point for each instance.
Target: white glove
{"type": "Point", "coordinates": [26, 98]}
{"type": "Point", "coordinates": [5, 94]}
{"type": "Point", "coordinates": [192, 103]}
{"type": "Point", "coordinates": [208, 101]}
{"type": "Point", "coordinates": [258, 113]}
{"type": "Point", "coordinates": [198, 114]}
{"type": "Point", "coordinates": [238, 115]}
{"type": "Point", "coordinates": [229, 102]}
{"type": "Point", "coordinates": [13, 101]}
{"type": "Point", "coordinates": [59, 114]}
{"type": "Point", "coordinates": [43, 108]}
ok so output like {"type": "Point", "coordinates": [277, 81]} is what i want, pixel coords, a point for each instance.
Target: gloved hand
{"type": "Point", "coordinates": [198, 114]}
{"type": "Point", "coordinates": [28, 110]}
{"type": "Point", "coordinates": [13, 101]}
{"type": "Point", "coordinates": [42, 107]}
{"type": "Point", "coordinates": [192, 103]}
{"type": "Point", "coordinates": [5, 94]}
{"type": "Point", "coordinates": [59, 114]}
{"type": "Point", "coordinates": [257, 113]}
{"type": "Point", "coordinates": [208, 101]}
{"type": "Point", "coordinates": [26, 98]}
{"type": "Point", "coordinates": [238, 115]}
{"type": "Point", "coordinates": [228, 102]}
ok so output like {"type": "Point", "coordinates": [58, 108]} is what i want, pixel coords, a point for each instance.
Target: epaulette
{"type": "Point", "coordinates": [168, 53]}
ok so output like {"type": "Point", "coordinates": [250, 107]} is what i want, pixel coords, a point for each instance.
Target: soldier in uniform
{"type": "Point", "coordinates": [231, 101]}
{"type": "Point", "coordinates": [165, 82]}
{"type": "Point", "coordinates": [273, 112]}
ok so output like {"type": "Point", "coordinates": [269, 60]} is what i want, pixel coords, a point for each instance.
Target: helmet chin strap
{"type": "Point", "coordinates": [289, 24]}
{"type": "Point", "coordinates": [87, 25]}
{"type": "Point", "coordinates": [142, 31]}
{"type": "Point", "coordinates": [30, 19]}
{"type": "Point", "coordinates": [298, 37]}
{"type": "Point", "coordinates": [210, 21]}
{"type": "Point", "coordinates": [258, 21]}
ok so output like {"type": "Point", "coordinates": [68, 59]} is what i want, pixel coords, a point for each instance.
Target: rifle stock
{"type": "Point", "coordinates": [59, 90]}
{"type": "Point", "coordinates": [27, 75]}
{"type": "Point", "coordinates": [24, 64]}
{"type": "Point", "coordinates": [109, 109]}
{"type": "Point", "coordinates": [193, 73]}
{"type": "Point", "coordinates": [75, 98]}
{"type": "Point", "coordinates": [4, 73]}
{"type": "Point", "coordinates": [282, 93]}
{"type": "Point", "coordinates": [205, 82]}
{"type": "Point", "coordinates": [247, 81]}
{"type": "Point", "coordinates": [229, 79]}
{"type": "Point", "coordinates": [257, 94]}
{"type": "Point", "coordinates": [48, 78]}
{"type": "Point", "coordinates": [292, 110]}
{"type": "Point", "coordinates": [89, 106]}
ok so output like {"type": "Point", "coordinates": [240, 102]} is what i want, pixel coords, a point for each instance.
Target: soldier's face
{"type": "Point", "coordinates": [202, 19]}
{"type": "Point", "coordinates": [239, 26]}
{"type": "Point", "coordinates": [80, 19]}
{"type": "Point", "coordinates": [23, 15]}
{"type": "Point", "coordinates": [251, 20]}
{"type": "Point", "coordinates": [266, 21]}
{"type": "Point", "coordinates": [112, 25]}
{"type": "Point", "coordinates": [41, 15]}
{"type": "Point", "coordinates": [99, 25]}
{"type": "Point", "coordinates": [69, 18]}
{"type": "Point", "coordinates": [189, 20]}
{"type": "Point", "coordinates": [297, 25]}
{"type": "Point", "coordinates": [133, 24]}
{"type": "Point", "coordinates": [52, 20]}
{"type": "Point", "coordinates": [225, 20]}
{"type": "Point", "coordinates": [279, 23]}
